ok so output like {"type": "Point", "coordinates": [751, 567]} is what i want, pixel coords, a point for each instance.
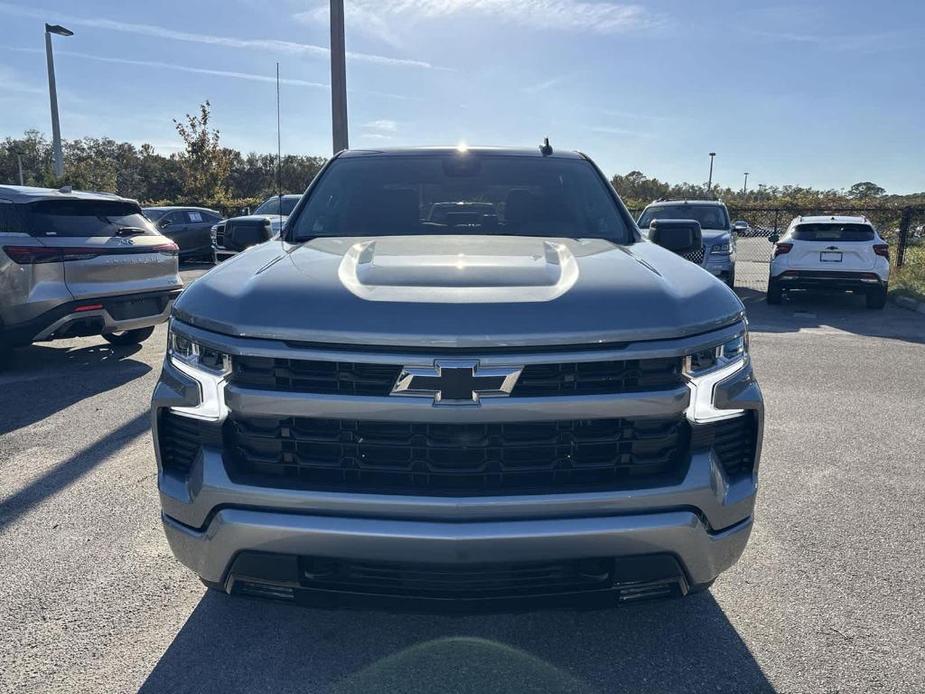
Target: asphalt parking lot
{"type": "Point", "coordinates": [828, 597]}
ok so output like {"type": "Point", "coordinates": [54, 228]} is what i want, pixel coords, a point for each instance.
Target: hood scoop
{"type": "Point", "coordinates": [458, 269]}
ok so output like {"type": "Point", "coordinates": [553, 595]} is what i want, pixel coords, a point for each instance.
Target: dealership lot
{"type": "Point", "coordinates": [827, 597]}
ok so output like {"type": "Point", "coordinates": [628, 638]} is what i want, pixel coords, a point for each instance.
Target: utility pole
{"type": "Point", "coordinates": [745, 185]}
{"type": "Point", "coordinates": [710, 181]}
{"type": "Point", "coordinates": [58, 156]}
{"type": "Point", "coordinates": [338, 77]}
{"type": "Point", "coordinates": [19, 162]}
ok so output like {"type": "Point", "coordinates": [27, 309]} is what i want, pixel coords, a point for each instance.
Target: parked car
{"type": "Point", "coordinates": [742, 228]}
{"type": "Point", "coordinates": [265, 223]}
{"type": "Point", "coordinates": [188, 227]}
{"type": "Point", "coordinates": [827, 253]}
{"type": "Point", "coordinates": [718, 255]}
{"type": "Point", "coordinates": [388, 406]}
{"type": "Point", "coordinates": [75, 263]}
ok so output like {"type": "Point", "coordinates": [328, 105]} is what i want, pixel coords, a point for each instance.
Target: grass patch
{"type": "Point", "coordinates": [909, 280]}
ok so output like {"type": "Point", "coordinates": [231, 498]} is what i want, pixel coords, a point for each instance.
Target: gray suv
{"type": "Point", "coordinates": [528, 400]}
{"type": "Point", "coordinates": [75, 264]}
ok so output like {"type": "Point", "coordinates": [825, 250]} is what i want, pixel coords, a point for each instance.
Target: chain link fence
{"type": "Point", "coordinates": [903, 228]}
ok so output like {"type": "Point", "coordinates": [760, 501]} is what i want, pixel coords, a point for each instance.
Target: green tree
{"type": "Point", "coordinates": [205, 165]}
{"type": "Point", "coordinates": [865, 190]}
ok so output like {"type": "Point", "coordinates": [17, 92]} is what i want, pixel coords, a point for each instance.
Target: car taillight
{"type": "Point", "coordinates": [34, 255]}
{"type": "Point", "coordinates": [882, 249]}
{"type": "Point", "coordinates": [782, 248]}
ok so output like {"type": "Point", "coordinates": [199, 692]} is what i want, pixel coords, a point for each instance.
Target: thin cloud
{"type": "Point", "coordinates": [635, 115]}
{"type": "Point", "coordinates": [12, 83]}
{"type": "Point", "coordinates": [624, 132]}
{"type": "Point", "coordinates": [271, 45]}
{"type": "Point", "coordinates": [387, 126]}
{"type": "Point", "coordinates": [543, 86]}
{"type": "Point", "coordinates": [184, 68]}
{"type": "Point", "coordinates": [862, 43]}
{"type": "Point", "coordinates": [570, 15]}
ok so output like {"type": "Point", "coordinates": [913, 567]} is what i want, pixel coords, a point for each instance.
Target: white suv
{"type": "Point", "coordinates": [830, 253]}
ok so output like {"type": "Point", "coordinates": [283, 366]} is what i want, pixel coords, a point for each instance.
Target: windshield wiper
{"type": "Point", "coordinates": [130, 231]}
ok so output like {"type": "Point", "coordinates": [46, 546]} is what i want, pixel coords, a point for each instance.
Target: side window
{"type": "Point", "coordinates": [174, 218]}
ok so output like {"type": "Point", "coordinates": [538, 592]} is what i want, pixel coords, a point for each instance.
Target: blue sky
{"type": "Point", "coordinates": [823, 94]}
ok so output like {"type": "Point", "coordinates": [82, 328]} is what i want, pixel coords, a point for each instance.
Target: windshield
{"type": "Point", "coordinates": [833, 232]}
{"type": "Point", "coordinates": [82, 218]}
{"type": "Point", "coordinates": [709, 216]}
{"type": "Point", "coordinates": [272, 206]}
{"type": "Point", "coordinates": [460, 194]}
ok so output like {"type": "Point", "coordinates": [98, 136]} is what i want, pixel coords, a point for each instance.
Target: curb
{"type": "Point", "coordinates": [909, 303]}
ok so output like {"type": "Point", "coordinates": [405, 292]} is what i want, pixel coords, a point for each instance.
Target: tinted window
{"type": "Point", "coordinates": [461, 193]}
{"type": "Point", "coordinates": [84, 218]}
{"type": "Point", "coordinates": [154, 215]}
{"type": "Point", "coordinates": [833, 232]}
{"type": "Point", "coordinates": [272, 206]}
{"type": "Point", "coordinates": [709, 216]}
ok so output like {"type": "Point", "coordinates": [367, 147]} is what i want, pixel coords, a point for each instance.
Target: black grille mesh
{"type": "Point", "coordinates": [180, 439]}
{"type": "Point", "coordinates": [536, 380]}
{"type": "Point", "coordinates": [447, 459]}
{"type": "Point", "coordinates": [732, 440]}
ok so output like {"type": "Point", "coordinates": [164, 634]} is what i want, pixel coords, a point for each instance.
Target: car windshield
{"type": "Point", "coordinates": [154, 215]}
{"type": "Point", "coordinates": [460, 193]}
{"type": "Point", "coordinates": [82, 218]}
{"type": "Point", "coordinates": [833, 232]}
{"type": "Point", "coordinates": [272, 206]}
{"type": "Point", "coordinates": [709, 216]}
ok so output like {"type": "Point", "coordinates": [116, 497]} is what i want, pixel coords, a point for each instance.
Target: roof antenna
{"type": "Point", "coordinates": [545, 148]}
{"type": "Point", "coordinates": [279, 151]}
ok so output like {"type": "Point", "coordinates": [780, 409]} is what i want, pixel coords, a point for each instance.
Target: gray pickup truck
{"type": "Point", "coordinates": [524, 400]}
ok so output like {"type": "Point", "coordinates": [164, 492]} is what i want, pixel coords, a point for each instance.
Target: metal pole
{"type": "Point", "coordinates": [745, 185]}
{"type": "Point", "coordinates": [338, 77]}
{"type": "Point", "coordinates": [710, 181]}
{"type": "Point", "coordinates": [19, 161]}
{"type": "Point", "coordinates": [57, 156]}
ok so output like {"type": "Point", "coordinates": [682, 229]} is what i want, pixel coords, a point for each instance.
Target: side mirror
{"type": "Point", "coordinates": [244, 235]}
{"type": "Point", "coordinates": [678, 235]}
{"type": "Point", "coordinates": [774, 238]}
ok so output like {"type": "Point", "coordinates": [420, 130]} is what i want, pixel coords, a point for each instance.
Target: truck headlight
{"type": "Point", "coordinates": [708, 367]}
{"type": "Point", "coordinates": [724, 248]}
{"type": "Point", "coordinates": [210, 369]}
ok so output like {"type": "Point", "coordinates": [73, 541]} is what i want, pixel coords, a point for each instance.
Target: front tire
{"type": "Point", "coordinates": [731, 279]}
{"type": "Point", "coordinates": [876, 298]}
{"type": "Point", "coordinates": [129, 337]}
{"type": "Point", "coordinates": [775, 293]}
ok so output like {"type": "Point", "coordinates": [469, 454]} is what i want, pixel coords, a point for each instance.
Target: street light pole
{"type": "Point", "coordinates": [19, 162]}
{"type": "Point", "coordinates": [58, 156]}
{"type": "Point", "coordinates": [338, 77]}
{"type": "Point", "coordinates": [745, 185]}
{"type": "Point", "coordinates": [710, 181]}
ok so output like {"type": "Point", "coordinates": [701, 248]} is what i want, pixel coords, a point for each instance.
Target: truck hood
{"type": "Point", "coordinates": [276, 220]}
{"type": "Point", "coordinates": [458, 291]}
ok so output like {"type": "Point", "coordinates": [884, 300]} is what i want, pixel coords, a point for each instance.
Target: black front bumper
{"type": "Point", "coordinates": [322, 581]}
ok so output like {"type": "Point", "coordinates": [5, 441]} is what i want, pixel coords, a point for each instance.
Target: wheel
{"type": "Point", "coordinates": [731, 279]}
{"type": "Point", "coordinates": [129, 337]}
{"type": "Point", "coordinates": [876, 298]}
{"type": "Point", "coordinates": [775, 293]}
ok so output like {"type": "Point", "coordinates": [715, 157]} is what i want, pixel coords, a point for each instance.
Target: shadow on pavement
{"type": "Point", "coordinates": [70, 470]}
{"type": "Point", "coordinates": [841, 311]}
{"type": "Point", "coordinates": [51, 379]}
{"type": "Point", "coordinates": [237, 644]}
